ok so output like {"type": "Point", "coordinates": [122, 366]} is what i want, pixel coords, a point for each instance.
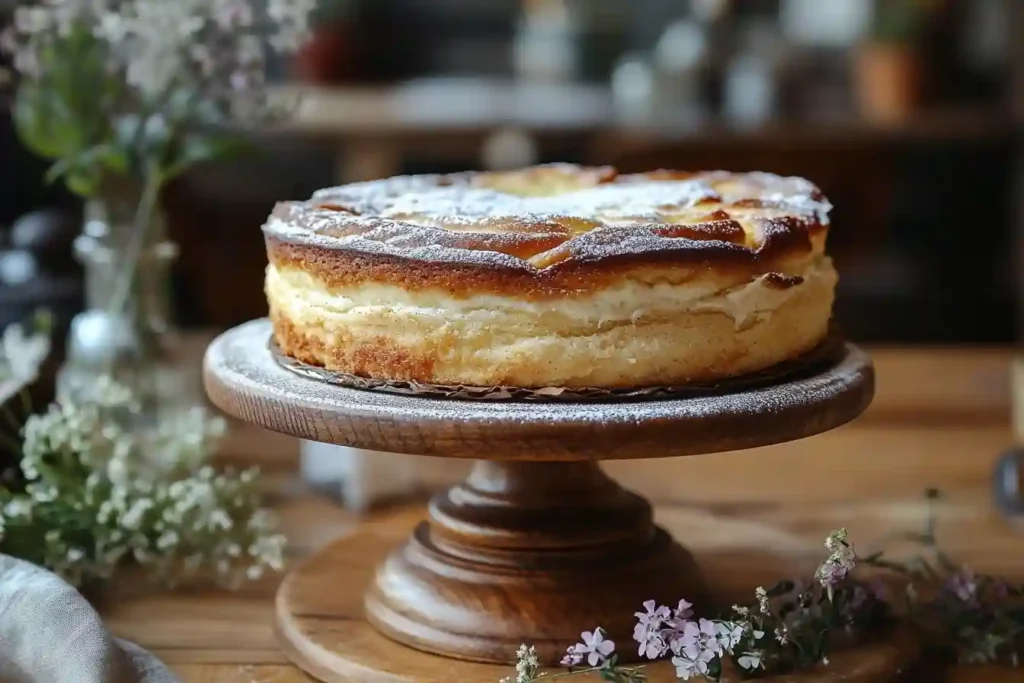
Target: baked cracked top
{"type": "Point", "coordinates": [555, 219]}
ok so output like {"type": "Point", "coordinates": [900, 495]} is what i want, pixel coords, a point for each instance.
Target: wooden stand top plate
{"type": "Point", "coordinates": [243, 379]}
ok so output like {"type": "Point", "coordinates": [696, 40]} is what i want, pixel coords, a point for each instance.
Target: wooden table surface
{"type": "Point", "coordinates": [941, 418]}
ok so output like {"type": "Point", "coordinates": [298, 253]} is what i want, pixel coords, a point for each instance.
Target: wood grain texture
{"type": "Point", "coordinates": [242, 379]}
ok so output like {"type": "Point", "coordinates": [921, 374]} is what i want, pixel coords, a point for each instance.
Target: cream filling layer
{"type": "Point", "coordinates": [304, 298]}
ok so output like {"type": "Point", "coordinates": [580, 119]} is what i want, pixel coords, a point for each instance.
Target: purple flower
{"type": "Point", "coordinates": [683, 611]}
{"type": "Point", "coordinates": [573, 656]}
{"type": "Point", "coordinates": [700, 636]}
{"type": "Point", "coordinates": [964, 586]}
{"type": "Point", "coordinates": [648, 630]}
{"type": "Point", "coordinates": [240, 80]}
{"type": "Point", "coordinates": [696, 646]}
{"type": "Point", "coordinates": [833, 571]}
{"type": "Point", "coordinates": [673, 629]}
{"type": "Point", "coordinates": [692, 662]}
{"type": "Point", "coordinates": [840, 562]}
{"type": "Point", "coordinates": [595, 647]}
{"type": "Point", "coordinates": [728, 635]}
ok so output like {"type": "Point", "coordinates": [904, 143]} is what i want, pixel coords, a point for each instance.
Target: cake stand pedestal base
{"type": "Point", "coordinates": [322, 625]}
{"type": "Point", "coordinates": [528, 551]}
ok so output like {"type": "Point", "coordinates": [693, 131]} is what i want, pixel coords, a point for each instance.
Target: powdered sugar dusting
{"type": "Point", "coordinates": [517, 220]}
{"type": "Point", "coordinates": [243, 379]}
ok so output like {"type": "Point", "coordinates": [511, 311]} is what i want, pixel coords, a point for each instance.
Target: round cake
{"type": "Point", "coordinates": [552, 276]}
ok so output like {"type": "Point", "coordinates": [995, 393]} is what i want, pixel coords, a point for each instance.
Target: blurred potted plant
{"type": "Point", "coordinates": [889, 70]}
{"type": "Point", "coordinates": [123, 96]}
{"type": "Point", "coordinates": [329, 55]}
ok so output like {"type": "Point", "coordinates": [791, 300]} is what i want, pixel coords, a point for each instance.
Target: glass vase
{"type": "Point", "coordinates": [126, 331]}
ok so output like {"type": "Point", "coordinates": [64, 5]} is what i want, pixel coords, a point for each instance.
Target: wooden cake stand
{"type": "Point", "coordinates": [537, 545]}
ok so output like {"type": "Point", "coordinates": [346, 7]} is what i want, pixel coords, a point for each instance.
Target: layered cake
{"type": "Point", "coordinates": [555, 275]}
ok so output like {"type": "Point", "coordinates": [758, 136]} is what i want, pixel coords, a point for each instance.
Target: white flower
{"type": "Point", "coordinates": [292, 20]}
{"type": "Point", "coordinates": [112, 28]}
{"type": "Point", "coordinates": [750, 660]}
{"type": "Point", "coordinates": [692, 662]}
{"type": "Point", "coordinates": [526, 663]}
{"type": "Point", "coordinates": [762, 600]}
{"type": "Point", "coordinates": [22, 355]}
{"type": "Point", "coordinates": [232, 14]}
{"type": "Point", "coordinates": [31, 20]}
{"type": "Point", "coordinates": [728, 635]}
{"type": "Point", "coordinates": [151, 498]}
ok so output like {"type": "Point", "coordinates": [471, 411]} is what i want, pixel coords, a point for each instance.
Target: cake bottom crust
{"type": "Point", "coordinates": [511, 348]}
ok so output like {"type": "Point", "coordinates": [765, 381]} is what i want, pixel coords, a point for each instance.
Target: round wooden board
{"type": "Point", "coordinates": [322, 628]}
{"type": "Point", "coordinates": [242, 378]}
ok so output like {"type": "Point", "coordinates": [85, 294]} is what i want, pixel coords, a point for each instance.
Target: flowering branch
{"type": "Point", "coordinates": [787, 627]}
{"type": "Point", "coordinates": [977, 619]}
{"type": "Point", "coordinates": [792, 627]}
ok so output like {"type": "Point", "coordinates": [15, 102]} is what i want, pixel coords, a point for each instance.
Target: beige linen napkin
{"type": "Point", "coordinates": [49, 633]}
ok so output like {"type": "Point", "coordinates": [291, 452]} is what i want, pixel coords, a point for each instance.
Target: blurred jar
{"type": "Point", "coordinates": [681, 61]}
{"type": "Point", "coordinates": [754, 77]}
{"type": "Point", "coordinates": [544, 47]}
{"type": "Point", "coordinates": [633, 89]}
{"type": "Point", "coordinates": [601, 27]}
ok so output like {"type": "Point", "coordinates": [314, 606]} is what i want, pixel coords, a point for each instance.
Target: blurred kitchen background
{"type": "Point", "coordinates": [908, 113]}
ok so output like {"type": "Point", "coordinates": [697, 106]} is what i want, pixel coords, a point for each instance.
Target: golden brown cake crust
{"type": "Point", "coordinates": [508, 232]}
{"type": "Point", "coordinates": [552, 276]}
